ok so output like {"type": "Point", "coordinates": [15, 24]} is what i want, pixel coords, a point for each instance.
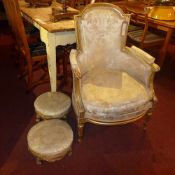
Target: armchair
{"type": "Point", "coordinates": [112, 83]}
{"type": "Point", "coordinates": [140, 32]}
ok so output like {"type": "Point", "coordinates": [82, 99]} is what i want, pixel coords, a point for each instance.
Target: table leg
{"type": "Point", "coordinates": [50, 41]}
{"type": "Point", "coordinates": [163, 50]}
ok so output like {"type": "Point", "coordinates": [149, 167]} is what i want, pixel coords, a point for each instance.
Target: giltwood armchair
{"type": "Point", "coordinates": [112, 83]}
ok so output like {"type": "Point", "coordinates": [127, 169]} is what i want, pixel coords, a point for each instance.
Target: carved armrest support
{"type": "Point", "coordinates": [76, 81]}
{"type": "Point", "coordinates": [78, 99]}
{"type": "Point", "coordinates": [155, 67]}
{"type": "Point", "coordinates": [74, 64]}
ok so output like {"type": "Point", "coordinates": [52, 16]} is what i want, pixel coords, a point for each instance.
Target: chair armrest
{"type": "Point", "coordinates": [74, 64]}
{"type": "Point", "coordinates": [141, 66]}
{"type": "Point", "coordinates": [143, 56]}
{"type": "Point", "coordinates": [155, 67]}
{"type": "Point", "coordinates": [147, 61]}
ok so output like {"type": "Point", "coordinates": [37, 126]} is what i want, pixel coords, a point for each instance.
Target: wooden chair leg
{"type": "Point", "coordinates": [38, 118]}
{"type": "Point", "coordinates": [22, 70]}
{"type": "Point", "coordinates": [70, 152]}
{"type": "Point", "coordinates": [38, 161]}
{"type": "Point", "coordinates": [80, 131]}
{"type": "Point", "coordinates": [65, 63]}
{"type": "Point", "coordinates": [29, 80]}
{"type": "Point", "coordinates": [147, 118]}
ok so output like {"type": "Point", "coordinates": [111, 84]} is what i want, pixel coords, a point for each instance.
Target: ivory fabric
{"type": "Point", "coordinates": [52, 105]}
{"type": "Point", "coordinates": [117, 60]}
{"type": "Point", "coordinates": [50, 140]}
{"type": "Point", "coordinates": [113, 95]}
{"type": "Point", "coordinates": [98, 26]}
{"type": "Point", "coordinates": [101, 34]}
{"type": "Point", "coordinates": [102, 39]}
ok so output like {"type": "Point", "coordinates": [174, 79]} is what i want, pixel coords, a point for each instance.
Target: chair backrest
{"type": "Point", "coordinates": [19, 29]}
{"type": "Point", "coordinates": [101, 22]}
{"type": "Point", "coordinates": [6, 7]}
{"type": "Point", "coordinates": [101, 30]}
{"type": "Point", "coordinates": [10, 16]}
{"type": "Point", "coordinates": [80, 4]}
{"type": "Point", "coordinates": [142, 22]}
{"type": "Point", "coordinates": [144, 37]}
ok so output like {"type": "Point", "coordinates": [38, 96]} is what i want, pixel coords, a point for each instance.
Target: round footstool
{"type": "Point", "coordinates": [50, 140]}
{"type": "Point", "coordinates": [52, 105]}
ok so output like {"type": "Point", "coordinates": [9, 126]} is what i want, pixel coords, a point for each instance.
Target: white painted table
{"type": "Point", "coordinates": [51, 33]}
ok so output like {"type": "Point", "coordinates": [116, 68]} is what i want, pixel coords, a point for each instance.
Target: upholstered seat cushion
{"type": "Point", "coordinates": [134, 28]}
{"type": "Point", "coordinates": [31, 30]}
{"type": "Point", "coordinates": [50, 140]}
{"type": "Point", "coordinates": [37, 48]}
{"type": "Point", "coordinates": [52, 105]}
{"type": "Point", "coordinates": [136, 35]}
{"type": "Point", "coordinates": [113, 95]}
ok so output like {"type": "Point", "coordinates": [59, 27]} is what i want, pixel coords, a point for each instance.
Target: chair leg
{"type": "Point", "coordinates": [22, 70]}
{"type": "Point", "coordinates": [70, 152]}
{"type": "Point", "coordinates": [30, 73]}
{"type": "Point", "coordinates": [147, 118]}
{"type": "Point", "coordinates": [38, 161]}
{"type": "Point", "coordinates": [38, 118]}
{"type": "Point", "coordinates": [80, 131]}
{"type": "Point", "coordinates": [65, 63]}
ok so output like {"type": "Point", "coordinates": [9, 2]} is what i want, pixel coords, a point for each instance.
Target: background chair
{"type": "Point", "coordinates": [140, 32]}
{"type": "Point", "coordinates": [112, 83]}
{"type": "Point", "coordinates": [32, 54]}
{"type": "Point", "coordinates": [31, 32]}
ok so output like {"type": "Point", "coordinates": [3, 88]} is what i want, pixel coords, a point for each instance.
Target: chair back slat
{"type": "Point", "coordinates": [15, 19]}
{"type": "Point", "coordinates": [9, 14]}
{"type": "Point", "coordinates": [19, 29]}
{"type": "Point", "coordinates": [141, 20]}
{"type": "Point", "coordinates": [19, 25]}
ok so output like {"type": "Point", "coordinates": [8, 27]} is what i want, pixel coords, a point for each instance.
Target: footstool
{"type": "Point", "coordinates": [50, 140]}
{"type": "Point", "coordinates": [52, 105]}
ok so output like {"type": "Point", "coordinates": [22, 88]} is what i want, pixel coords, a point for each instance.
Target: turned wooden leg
{"type": "Point", "coordinates": [70, 152]}
{"type": "Point", "coordinates": [80, 131]}
{"type": "Point", "coordinates": [147, 118]}
{"type": "Point", "coordinates": [163, 50]}
{"type": "Point", "coordinates": [30, 76]}
{"type": "Point", "coordinates": [38, 119]}
{"type": "Point", "coordinates": [65, 63]}
{"type": "Point", "coordinates": [64, 117]}
{"type": "Point", "coordinates": [38, 161]}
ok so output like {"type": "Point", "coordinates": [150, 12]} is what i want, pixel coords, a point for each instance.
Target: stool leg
{"type": "Point", "coordinates": [64, 118]}
{"type": "Point", "coordinates": [38, 119]}
{"type": "Point", "coordinates": [38, 161]}
{"type": "Point", "coordinates": [70, 152]}
{"type": "Point", "coordinates": [147, 118]}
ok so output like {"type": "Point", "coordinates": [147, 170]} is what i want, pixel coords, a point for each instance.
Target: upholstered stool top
{"type": "Point", "coordinates": [52, 105]}
{"type": "Point", "coordinates": [50, 140]}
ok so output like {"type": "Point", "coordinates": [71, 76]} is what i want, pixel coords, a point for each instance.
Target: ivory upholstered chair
{"type": "Point", "coordinates": [112, 83]}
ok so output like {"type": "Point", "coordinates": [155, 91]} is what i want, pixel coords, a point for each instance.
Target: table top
{"type": "Point", "coordinates": [139, 8]}
{"type": "Point", "coordinates": [43, 17]}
